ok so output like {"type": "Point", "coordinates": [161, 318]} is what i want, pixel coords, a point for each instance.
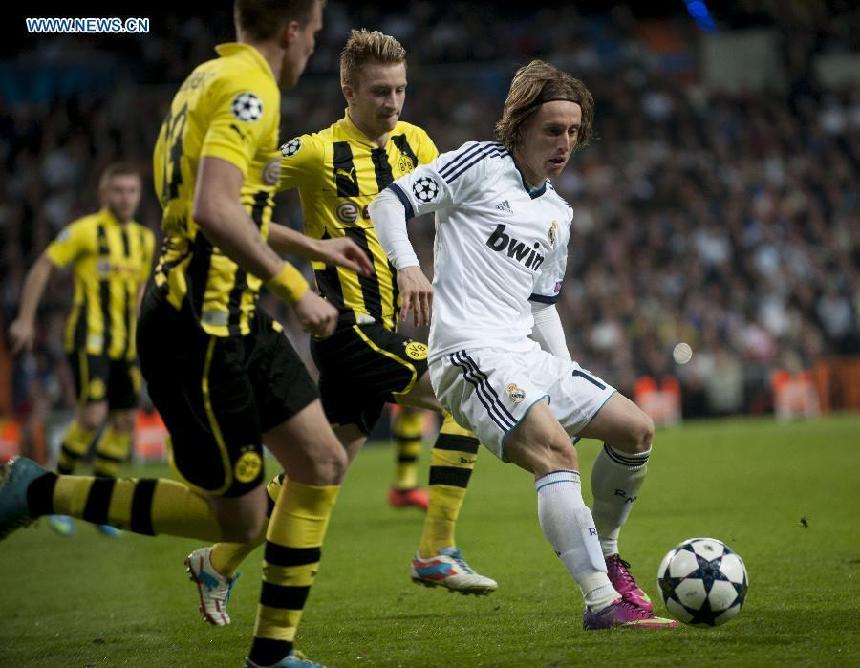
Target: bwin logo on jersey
{"type": "Point", "coordinates": [499, 241]}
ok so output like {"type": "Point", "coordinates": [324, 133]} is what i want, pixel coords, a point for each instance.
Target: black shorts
{"type": "Point", "coordinates": [218, 395]}
{"type": "Point", "coordinates": [100, 378]}
{"type": "Point", "coordinates": [361, 368]}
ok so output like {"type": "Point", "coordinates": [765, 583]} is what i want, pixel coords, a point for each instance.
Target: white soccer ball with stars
{"type": "Point", "coordinates": [425, 189]}
{"type": "Point", "coordinates": [702, 581]}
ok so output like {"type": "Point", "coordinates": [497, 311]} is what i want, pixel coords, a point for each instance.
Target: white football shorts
{"type": "Point", "coordinates": [490, 391]}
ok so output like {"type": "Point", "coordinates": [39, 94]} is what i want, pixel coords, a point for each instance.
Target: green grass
{"type": "Point", "coordinates": [91, 601]}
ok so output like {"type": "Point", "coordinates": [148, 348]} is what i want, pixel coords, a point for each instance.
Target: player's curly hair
{"type": "Point", "coordinates": [364, 47]}
{"type": "Point", "coordinates": [534, 84]}
{"type": "Point", "coordinates": [261, 19]}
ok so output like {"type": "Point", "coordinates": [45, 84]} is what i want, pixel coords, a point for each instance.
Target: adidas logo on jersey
{"type": "Point", "coordinates": [501, 242]}
{"type": "Point", "coordinates": [504, 207]}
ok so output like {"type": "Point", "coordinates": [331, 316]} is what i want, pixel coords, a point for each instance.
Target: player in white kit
{"type": "Point", "coordinates": [501, 242]}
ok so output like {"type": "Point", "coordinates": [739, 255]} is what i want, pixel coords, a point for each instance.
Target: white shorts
{"type": "Point", "coordinates": [490, 391]}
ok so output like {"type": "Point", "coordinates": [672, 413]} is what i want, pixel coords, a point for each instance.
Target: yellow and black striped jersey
{"type": "Point", "coordinates": [338, 172]}
{"type": "Point", "coordinates": [227, 108]}
{"type": "Point", "coordinates": [111, 262]}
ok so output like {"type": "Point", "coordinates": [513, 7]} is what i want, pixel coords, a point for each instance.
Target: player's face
{"type": "Point", "coordinates": [121, 195]}
{"type": "Point", "coordinates": [548, 139]}
{"type": "Point", "coordinates": [376, 100]}
{"type": "Point", "coordinates": [301, 41]}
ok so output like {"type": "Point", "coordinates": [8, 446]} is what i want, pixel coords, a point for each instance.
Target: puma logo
{"type": "Point", "coordinates": [348, 175]}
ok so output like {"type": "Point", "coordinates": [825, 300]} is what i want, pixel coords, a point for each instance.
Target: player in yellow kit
{"type": "Point", "coordinates": [111, 255]}
{"type": "Point", "coordinates": [221, 372]}
{"type": "Point", "coordinates": [366, 362]}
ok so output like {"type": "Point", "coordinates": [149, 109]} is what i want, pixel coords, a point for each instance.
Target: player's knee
{"type": "Point", "coordinates": [92, 417]}
{"type": "Point", "coordinates": [641, 432]}
{"type": "Point", "coordinates": [328, 465]}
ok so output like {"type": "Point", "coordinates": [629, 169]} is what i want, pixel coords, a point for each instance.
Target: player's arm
{"type": "Point", "coordinates": [73, 241]}
{"type": "Point", "coordinates": [21, 331]}
{"type": "Point", "coordinates": [548, 330]}
{"type": "Point", "coordinates": [342, 252]}
{"type": "Point", "coordinates": [431, 187]}
{"type": "Point", "coordinates": [219, 212]}
{"type": "Point", "coordinates": [389, 217]}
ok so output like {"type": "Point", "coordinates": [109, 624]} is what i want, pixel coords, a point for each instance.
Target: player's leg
{"type": "Point", "coordinates": [298, 434]}
{"type": "Point", "coordinates": [439, 562]}
{"type": "Point", "coordinates": [408, 432]}
{"type": "Point", "coordinates": [616, 477]}
{"type": "Point", "coordinates": [200, 387]}
{"type": "Point", "coordinates": [90, 374]}
{"type": "Point", "coordinates": [540, 445]}
{"type": "Point", "coordinates": [146, 506]}
{"type": "Point", "coordinates": [114, 444]}
{"type": "Point", "coordinates": [215, 569]}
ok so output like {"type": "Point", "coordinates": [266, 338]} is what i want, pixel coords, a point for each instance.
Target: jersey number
{"type": "Point", "coordinates": [174, 129]}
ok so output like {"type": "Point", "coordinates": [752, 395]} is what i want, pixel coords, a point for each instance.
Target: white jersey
{"type": "Point", "coordinates": [497, 245]}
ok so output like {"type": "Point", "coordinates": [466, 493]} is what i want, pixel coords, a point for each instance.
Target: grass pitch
{"type": "Point", "coordinates": [93, 601]}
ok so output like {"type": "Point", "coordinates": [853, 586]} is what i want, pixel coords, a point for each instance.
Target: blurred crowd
{"type": "Point", "coordinates": [729, 222]}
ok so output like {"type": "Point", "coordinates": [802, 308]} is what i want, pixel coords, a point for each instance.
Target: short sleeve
{"type": "Point", "coordinates": [302, 159]}
{"type": "Point", "coordinates": [72, 242]}
{"type": "Point", "coordinates": [242, 117]}
{"type": "Point", "coordinates": [450, 180]}
{"type": "Point", "coordinates": [427, 151]}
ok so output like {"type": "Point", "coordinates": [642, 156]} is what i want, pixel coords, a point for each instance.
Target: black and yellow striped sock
{"type": "Point", "coordinates": [147, 506]}
{"type": "Point", "coordinates": [112, 449]}
{"type": "Point", "coordinates": [408, 431]}
{"type": "Point", "coordinates": [227, 557]}
{"type": "Point", "coordinates": [293, 548]}
{"type": "Point", "coordinates": [453, 458]}
{"type": "Point", "coordinates": [76, 443]}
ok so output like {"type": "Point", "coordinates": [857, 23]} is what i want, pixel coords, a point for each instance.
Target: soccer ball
{"type": "Point", "coordinates": [702, 581]}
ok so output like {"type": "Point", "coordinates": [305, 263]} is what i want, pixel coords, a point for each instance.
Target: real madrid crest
{"type": "Point", "coordinates": [516, 393]}
{"type": "Point", "coordinates": [552, 234]}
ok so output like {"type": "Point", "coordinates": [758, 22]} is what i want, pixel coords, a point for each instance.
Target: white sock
{"type": "Point", "coordinates": [567, 524]}
{"type": "Point", "coordinates": [615, 481]}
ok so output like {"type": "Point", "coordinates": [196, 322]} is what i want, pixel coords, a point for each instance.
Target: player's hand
{"type": "Point", "coordinates": [315, 314]}
{"type": "Point", "coordinates": [344, 253]}
{"type": "Point", "coordinates": [416, 295]}
{"type": "Point", "coordinates": [21, 335]}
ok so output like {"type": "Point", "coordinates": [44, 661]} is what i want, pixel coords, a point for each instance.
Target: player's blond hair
{"type": "Point", "coordinates": [534, 84]}
{"type": "Point", "coordinates": [364, 47]}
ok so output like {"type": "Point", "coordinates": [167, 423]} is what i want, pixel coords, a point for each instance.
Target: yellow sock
{"type": "Point", "coordinates": [112, 450]}
{"type": "Point", "coordinates": [408, 432]}
{"type": "Point", "coordinates": [146, 506]}
{"type": "Point", "coordinates": [453, 458]}
{"type": "Point", "coordinates": [293, 548]}
{"type": "Point", "coordinates": [76, 443]}
{"type": "Point", "coordinates": [227, 557]}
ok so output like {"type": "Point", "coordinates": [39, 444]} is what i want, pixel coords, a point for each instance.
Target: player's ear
{"type": "Point", "coordinates": [348, 92]}
{"type": "Point", "coordinates": [287, 34]}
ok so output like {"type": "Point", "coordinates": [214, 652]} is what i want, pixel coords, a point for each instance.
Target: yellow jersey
{"type": "Point", "coordinates": [338, 172]}
{"type": "Point", "coordinates": [227, 108]}
{"type": "Point", "coordinates": [111, 262]}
